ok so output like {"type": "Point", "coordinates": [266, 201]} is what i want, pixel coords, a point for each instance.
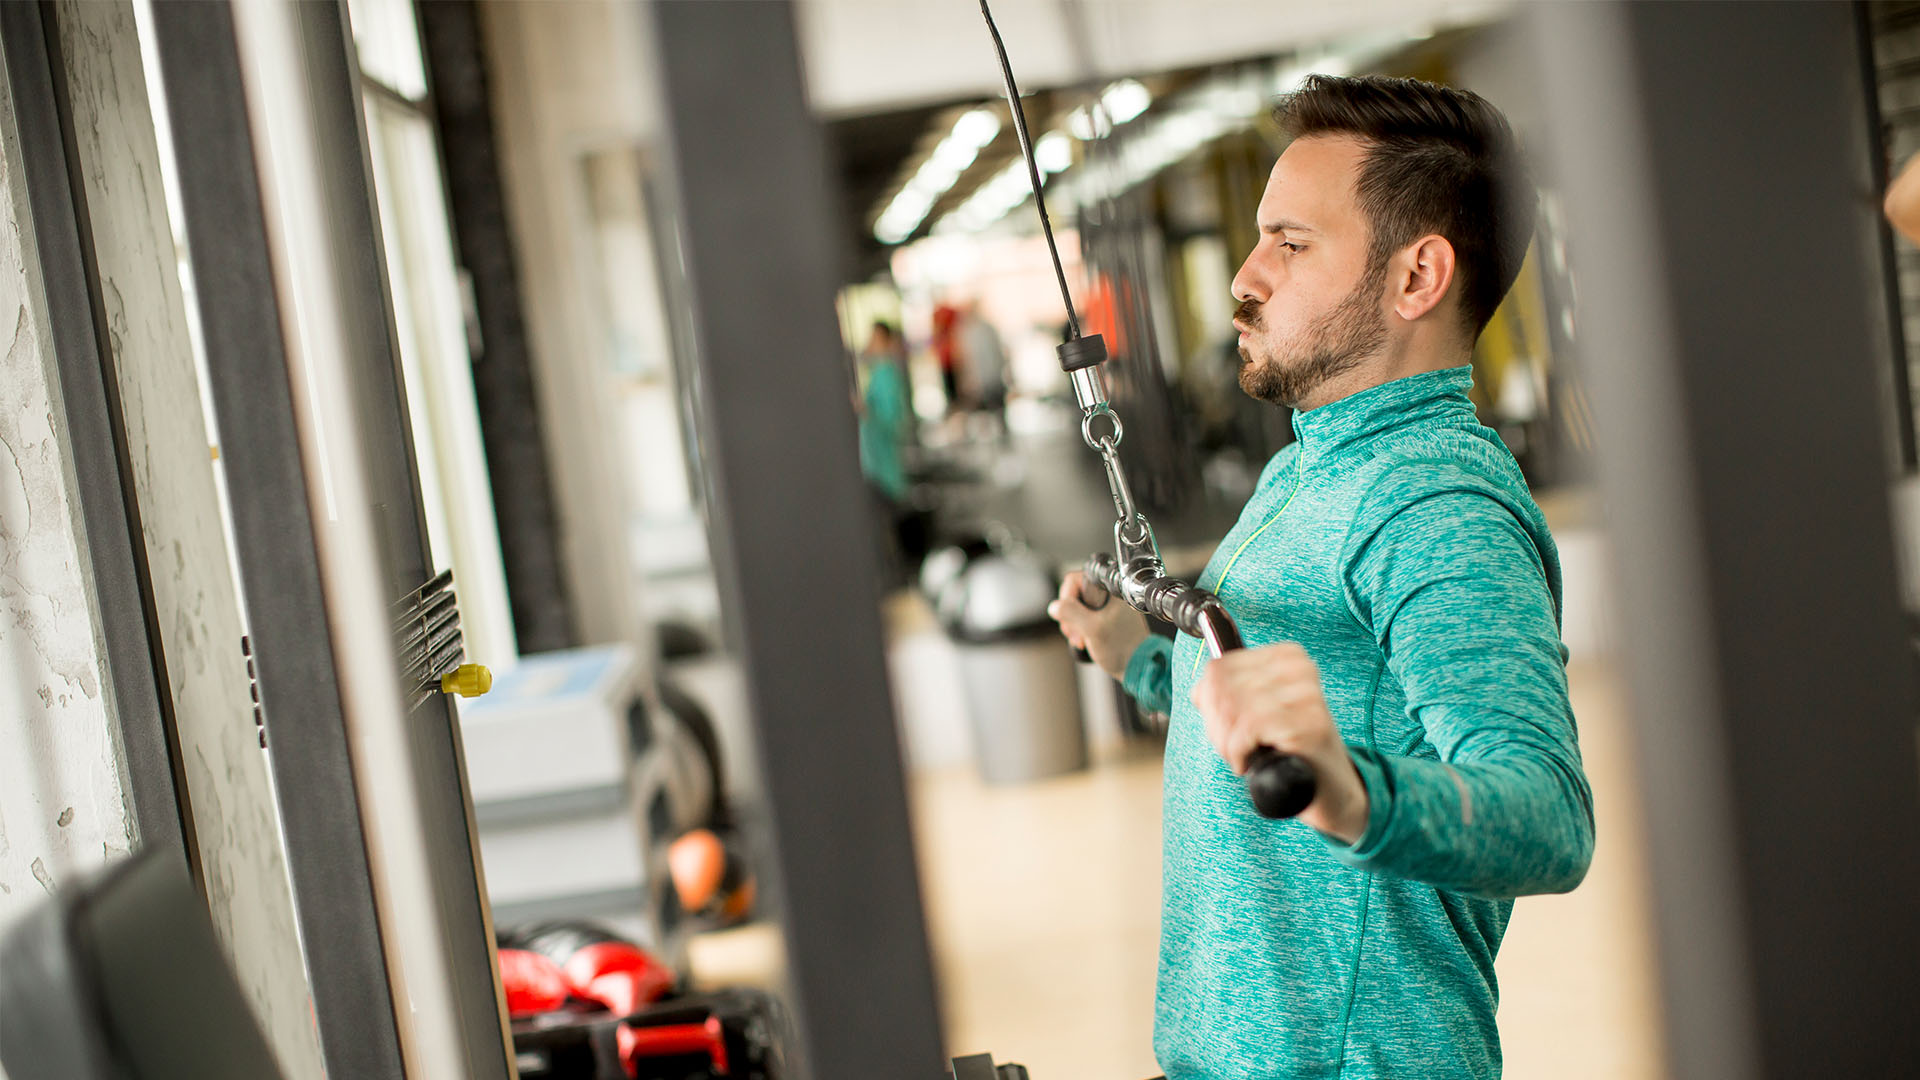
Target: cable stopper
{"type": "Point", "coordinates": [1084, 351]}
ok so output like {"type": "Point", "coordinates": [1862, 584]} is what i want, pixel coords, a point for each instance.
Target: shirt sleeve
{"type": "Point", "coordinates": [1149, 674]}
{"type": "Point", "coordinates": [1453, 589]}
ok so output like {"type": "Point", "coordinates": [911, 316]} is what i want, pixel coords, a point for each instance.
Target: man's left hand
{"type": "Point", "coordinates": [1271, 696]}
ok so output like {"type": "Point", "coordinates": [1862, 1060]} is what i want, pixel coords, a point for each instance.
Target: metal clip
{"type": "Point", "coordinates": [1133, 539]}
{"type": "Point", "coordinates": [1099, 442]}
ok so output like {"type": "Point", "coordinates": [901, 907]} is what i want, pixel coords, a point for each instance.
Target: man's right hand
{"type": "Point", "coordinates": [1110, 634]}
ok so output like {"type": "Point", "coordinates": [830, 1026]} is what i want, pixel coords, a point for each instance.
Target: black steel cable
{"type": "Point", "coordinates": [1033, 170]}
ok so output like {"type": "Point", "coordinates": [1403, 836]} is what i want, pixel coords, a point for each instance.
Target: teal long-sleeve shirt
{"type": "Point", "coordinates": [1397, 543]}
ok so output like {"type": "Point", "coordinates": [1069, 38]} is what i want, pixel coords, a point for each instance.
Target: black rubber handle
{"type": "Point", "coordinates": [1281, 785]}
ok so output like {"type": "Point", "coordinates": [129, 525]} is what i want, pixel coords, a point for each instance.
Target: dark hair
{"type": "Point", "coordinates": [882, 326]}
{"type": "Point", "coordinates": [1438, 160]}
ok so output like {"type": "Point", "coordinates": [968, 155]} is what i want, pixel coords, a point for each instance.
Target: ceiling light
{"type": "Point", "coordinates": [1125, 100]}
{"type": "Point", "coordinates": [1087, 124]}
{"type": "Point", "coordinates": [1053, 153]}
{"type": "Point", "coordinates": [941, 170]}
{"type": "Point", "coordinates": [955, 154]}
{"type": "Point", "coordinates": [976, 128]}
{"type": "Point", "coordinates": [937, 175]}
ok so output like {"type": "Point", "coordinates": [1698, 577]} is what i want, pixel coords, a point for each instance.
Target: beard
{"type": "Point", "coordinates": [1333, 344]}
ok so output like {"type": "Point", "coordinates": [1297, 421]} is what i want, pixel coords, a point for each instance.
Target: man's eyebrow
{"type": "Point", "coordinates": [1285, 226]}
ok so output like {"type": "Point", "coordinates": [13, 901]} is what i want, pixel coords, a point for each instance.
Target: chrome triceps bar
{"type": "Point", "coordinates": [1280, 785]}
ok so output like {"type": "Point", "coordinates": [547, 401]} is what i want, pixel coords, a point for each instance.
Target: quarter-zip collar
{"type": "Point", "coordinates": [1429, 397]}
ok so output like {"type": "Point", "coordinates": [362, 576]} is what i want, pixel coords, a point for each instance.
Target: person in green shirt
{"type": "Point", "coordinates": [886, 412]}
{"type": "Point", "coordinates": [1399, 595]}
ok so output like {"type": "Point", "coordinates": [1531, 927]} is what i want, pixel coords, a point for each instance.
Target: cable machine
{"type": "Point", "coordinates": [1280, 785]}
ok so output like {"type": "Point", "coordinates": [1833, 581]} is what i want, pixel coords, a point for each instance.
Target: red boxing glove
{"type": "Point", "coordinates": [534, 984]}
{"type": "Point", "coordinates": [620, 976]}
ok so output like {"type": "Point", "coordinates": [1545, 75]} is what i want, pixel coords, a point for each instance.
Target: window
{"type": "Point", "coordinates": [430, 320]}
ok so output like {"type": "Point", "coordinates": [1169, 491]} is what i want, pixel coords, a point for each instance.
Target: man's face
{"type": "Point", "coordinates": [1310, 305]}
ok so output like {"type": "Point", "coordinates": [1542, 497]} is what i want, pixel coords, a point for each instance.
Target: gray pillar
{"type": "Point", "coordinates": [792, 532]}
{"type": "Point", "coordinates": [1715, 168]}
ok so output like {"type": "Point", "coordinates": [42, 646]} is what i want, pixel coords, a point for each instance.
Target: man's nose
{"type": "Point", "coordinates": [1247, 286]}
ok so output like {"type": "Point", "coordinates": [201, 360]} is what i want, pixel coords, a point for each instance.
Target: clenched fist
{"type": "Point", "coordinates": [1271, 696]}
{"type": "Point", "coordinates": [1109, 634]}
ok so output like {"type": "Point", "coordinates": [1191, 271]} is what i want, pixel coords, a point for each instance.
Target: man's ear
{"type": "Point", "coordinates": [1422, 276]}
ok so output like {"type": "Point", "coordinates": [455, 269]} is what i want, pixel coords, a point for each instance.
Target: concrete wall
{"type": "Point", "coordinates": [235, 815]}
{"type": "Point", "coordinates": [62, 810]}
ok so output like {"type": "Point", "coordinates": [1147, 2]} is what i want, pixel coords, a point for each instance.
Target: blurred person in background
{"type": "Point", "coordinates": [945, 346]}
{"type": "Point", "coordinates": [886, 411]}
{"type": "Point", "coordinates": [1399, 595]}
{"type": "Point", "coordinates": [885, 408]}
{"type": "Point", "coordinates": [985, 358]}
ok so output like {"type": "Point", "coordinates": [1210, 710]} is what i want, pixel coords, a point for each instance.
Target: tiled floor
{"type": "Point", "coordinates": [1043, 906]}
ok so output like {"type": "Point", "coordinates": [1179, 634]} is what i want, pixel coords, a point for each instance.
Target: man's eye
{"type": "Point", "coordinates": [1291, 246]}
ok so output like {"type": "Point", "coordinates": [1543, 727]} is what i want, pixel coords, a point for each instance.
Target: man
{"type": "Point", "coordinates": [1398, 593]}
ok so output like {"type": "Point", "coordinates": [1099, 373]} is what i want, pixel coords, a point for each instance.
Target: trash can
{"type": "Point", "coordinates": [1022, 690]}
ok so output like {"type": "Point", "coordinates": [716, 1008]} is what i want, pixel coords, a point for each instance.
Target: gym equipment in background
{"type": "Point", "coordinates": [589, 1005]}
{"type": "Point", "coordinates": [580, 789]}
{"type": "Point", "coordinates": [711, 879]}
{"type": "Point", "coordinates": [1022, 694]}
